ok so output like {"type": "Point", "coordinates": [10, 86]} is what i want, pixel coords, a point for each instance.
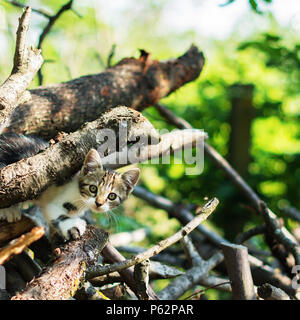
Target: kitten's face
{"type": "Point", "coordinates": [101, 189]}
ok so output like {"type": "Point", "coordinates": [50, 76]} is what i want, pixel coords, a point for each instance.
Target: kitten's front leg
{"type": "Point", "coordinates": [72, 228]}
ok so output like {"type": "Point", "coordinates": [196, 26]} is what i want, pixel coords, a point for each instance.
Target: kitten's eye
{"type": "Point", "coordinates": [93, 189]}
{"type": "Point", "coordinates": [112, 196]}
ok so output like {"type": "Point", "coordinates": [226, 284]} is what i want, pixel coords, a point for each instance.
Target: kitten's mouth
{"type": "Point", "coordinates": [103, 208]}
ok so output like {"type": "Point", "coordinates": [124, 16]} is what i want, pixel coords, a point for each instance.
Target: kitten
{"type": "Point", "coordinates": [93, 187]}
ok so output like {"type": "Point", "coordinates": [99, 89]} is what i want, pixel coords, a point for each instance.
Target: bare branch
{"type": "Point", "coordinates": [238, 268]}
{"type": "Point", "coordinates": [203, 215]}
{"type": "Point", "coordinates": [269, 292]}
{"type": "Point", "coordinates": [141, 277]}
{"type": "Point", "coordinates": [190, 278]}
{"type": "Point", "coordinates": [260, 271]}
{"type": "Point", "coordinates": [20, 5]}
{"type": "Point", "coordinates": [27, 61]}
{"type": "Point", "coordinates": [113, 256]}
{"type": "Point", "coordinates": [282, 235]}
{"type": "Point", "coordinates": [190, 250]}
{"type": "Point", "coordinates": [250, 233]}
{"type": "Point", "coordinates": [131, 82]}
{"type": "Point", "coordinates": [61, 280]}
{"type": "Point", "coordinates": [48, 27]}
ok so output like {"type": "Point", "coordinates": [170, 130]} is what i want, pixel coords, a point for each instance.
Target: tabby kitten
{"type": "Point", "coordinates": [93, 187]}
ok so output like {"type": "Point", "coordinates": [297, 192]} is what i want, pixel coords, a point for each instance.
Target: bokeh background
{"type": "Point", "coordinates": [247, 98]}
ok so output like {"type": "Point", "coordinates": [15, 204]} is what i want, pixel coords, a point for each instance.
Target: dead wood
{"type": "Point", "coordinates": [238, 268]}
{"type": "Point", "coordinates": [136, 83]}
{"type": "Point", "coordinates": [269, 292]}
{"type": "Point", "coordinates": [27, 178]}
{"type": "Point", "coordinates": [20, 244]}
{"type": "Point", "coordinates": [204, 213]}
{"type": "Point", "coordinates": [261, 272]}
{"type": "Point", "coordinates": [27, 61]}
{"type": "Point", "coordinates": [12, 230]}
{"type": "Point", "coordinates": [190, 278]}
{"type": "Point", "coordinates": [113, 256]}
{"type": "Point", "coordinates": [61, 279]}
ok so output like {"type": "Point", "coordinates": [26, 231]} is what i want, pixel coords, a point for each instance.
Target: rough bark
{"type": "Point", "coordinates": [61, 280]}
{"type": "Point", "coordinates": [136, 83]}
{"type": "Point", "coordinates": [25, 179]}
{"type": "Point", "coordinates": [27, 61]}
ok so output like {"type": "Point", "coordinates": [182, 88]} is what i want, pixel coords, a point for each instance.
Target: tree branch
{"type": "Point", "coordinates": [190, 278]}
{"type": "Point", "coordinates": [61, 280]}
{"type": "Point", "coordinates": [136, 83]}
{"type": "Point", "coordinates": [20, 244]}
{"type": "Point", "coordinates": [282, 235]}
{"type": "Point", "coordinates": [27, 61]}
{"type": "Point", "coordinates": [203, 215]}
{"type": "Point", "coordinates": [261, 272]}
{"type": "Point", "coordinates": [238, 268]}
{"type": "Point", "coordinates": [25, 179]}
{"type": "Point", "coordinates": [269, 292]}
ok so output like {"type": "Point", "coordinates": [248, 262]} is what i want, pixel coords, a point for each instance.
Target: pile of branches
{"type": "Point", "coordinates": [93, 267]}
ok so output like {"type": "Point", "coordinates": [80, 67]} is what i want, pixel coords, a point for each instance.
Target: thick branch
{"type": "Point", "coordinates": [25, 179]}
{"type": "Point", "coordinates": [238, 268]}
{"type": "Point", "coordinates": [27, 61]}
{"type": "Point", "coordinates": [61, 280]}
{"type": "Point", "coordinates": [136, 83]}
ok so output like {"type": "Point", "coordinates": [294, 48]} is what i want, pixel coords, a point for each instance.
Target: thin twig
{"type": "Point", "coordinates": [111, 55]}
{"type": "Point", "coordinates": [27, 62]}
{"type": "Point", "coordinates": [202, 291]}
{"type": "Point", "coordinates": [204, 214]}
{"type": "Point", "coordinates": [282, 235]}
{"type": "Point", "coordinates": [51, 20]}
{"type": "Point", "coordinates": [250, 233]}
{"type": "Point", "coordinates": [190, 278]}
{"type": "Point", "coordinates": [39, 11]}
{"type": "Point", "coordinates": [112, 255]}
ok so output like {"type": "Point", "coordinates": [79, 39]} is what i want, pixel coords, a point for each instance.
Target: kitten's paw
{"type": "Point", "coordinates": [72, 228]}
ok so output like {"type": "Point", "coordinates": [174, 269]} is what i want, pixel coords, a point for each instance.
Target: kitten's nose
{"type": "Point", "coordinates": [99, 202]}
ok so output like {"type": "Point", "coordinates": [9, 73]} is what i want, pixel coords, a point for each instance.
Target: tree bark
{"type": "Point", "coordinates": [27, 61]}
{"type": "Point", "coordinates": [61, 280]}
{"type": "Point", "coordinates": [238, 268]}
{"type": "Point", "coordinates": [136, 83]}
{"type": "Point", "coordinates": [27, 178]}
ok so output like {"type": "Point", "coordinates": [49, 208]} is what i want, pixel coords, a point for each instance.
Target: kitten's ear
{"type": "Point", "coordinates": [131, 177]}
{"type": "Point", "coordinates": [92, 162]}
